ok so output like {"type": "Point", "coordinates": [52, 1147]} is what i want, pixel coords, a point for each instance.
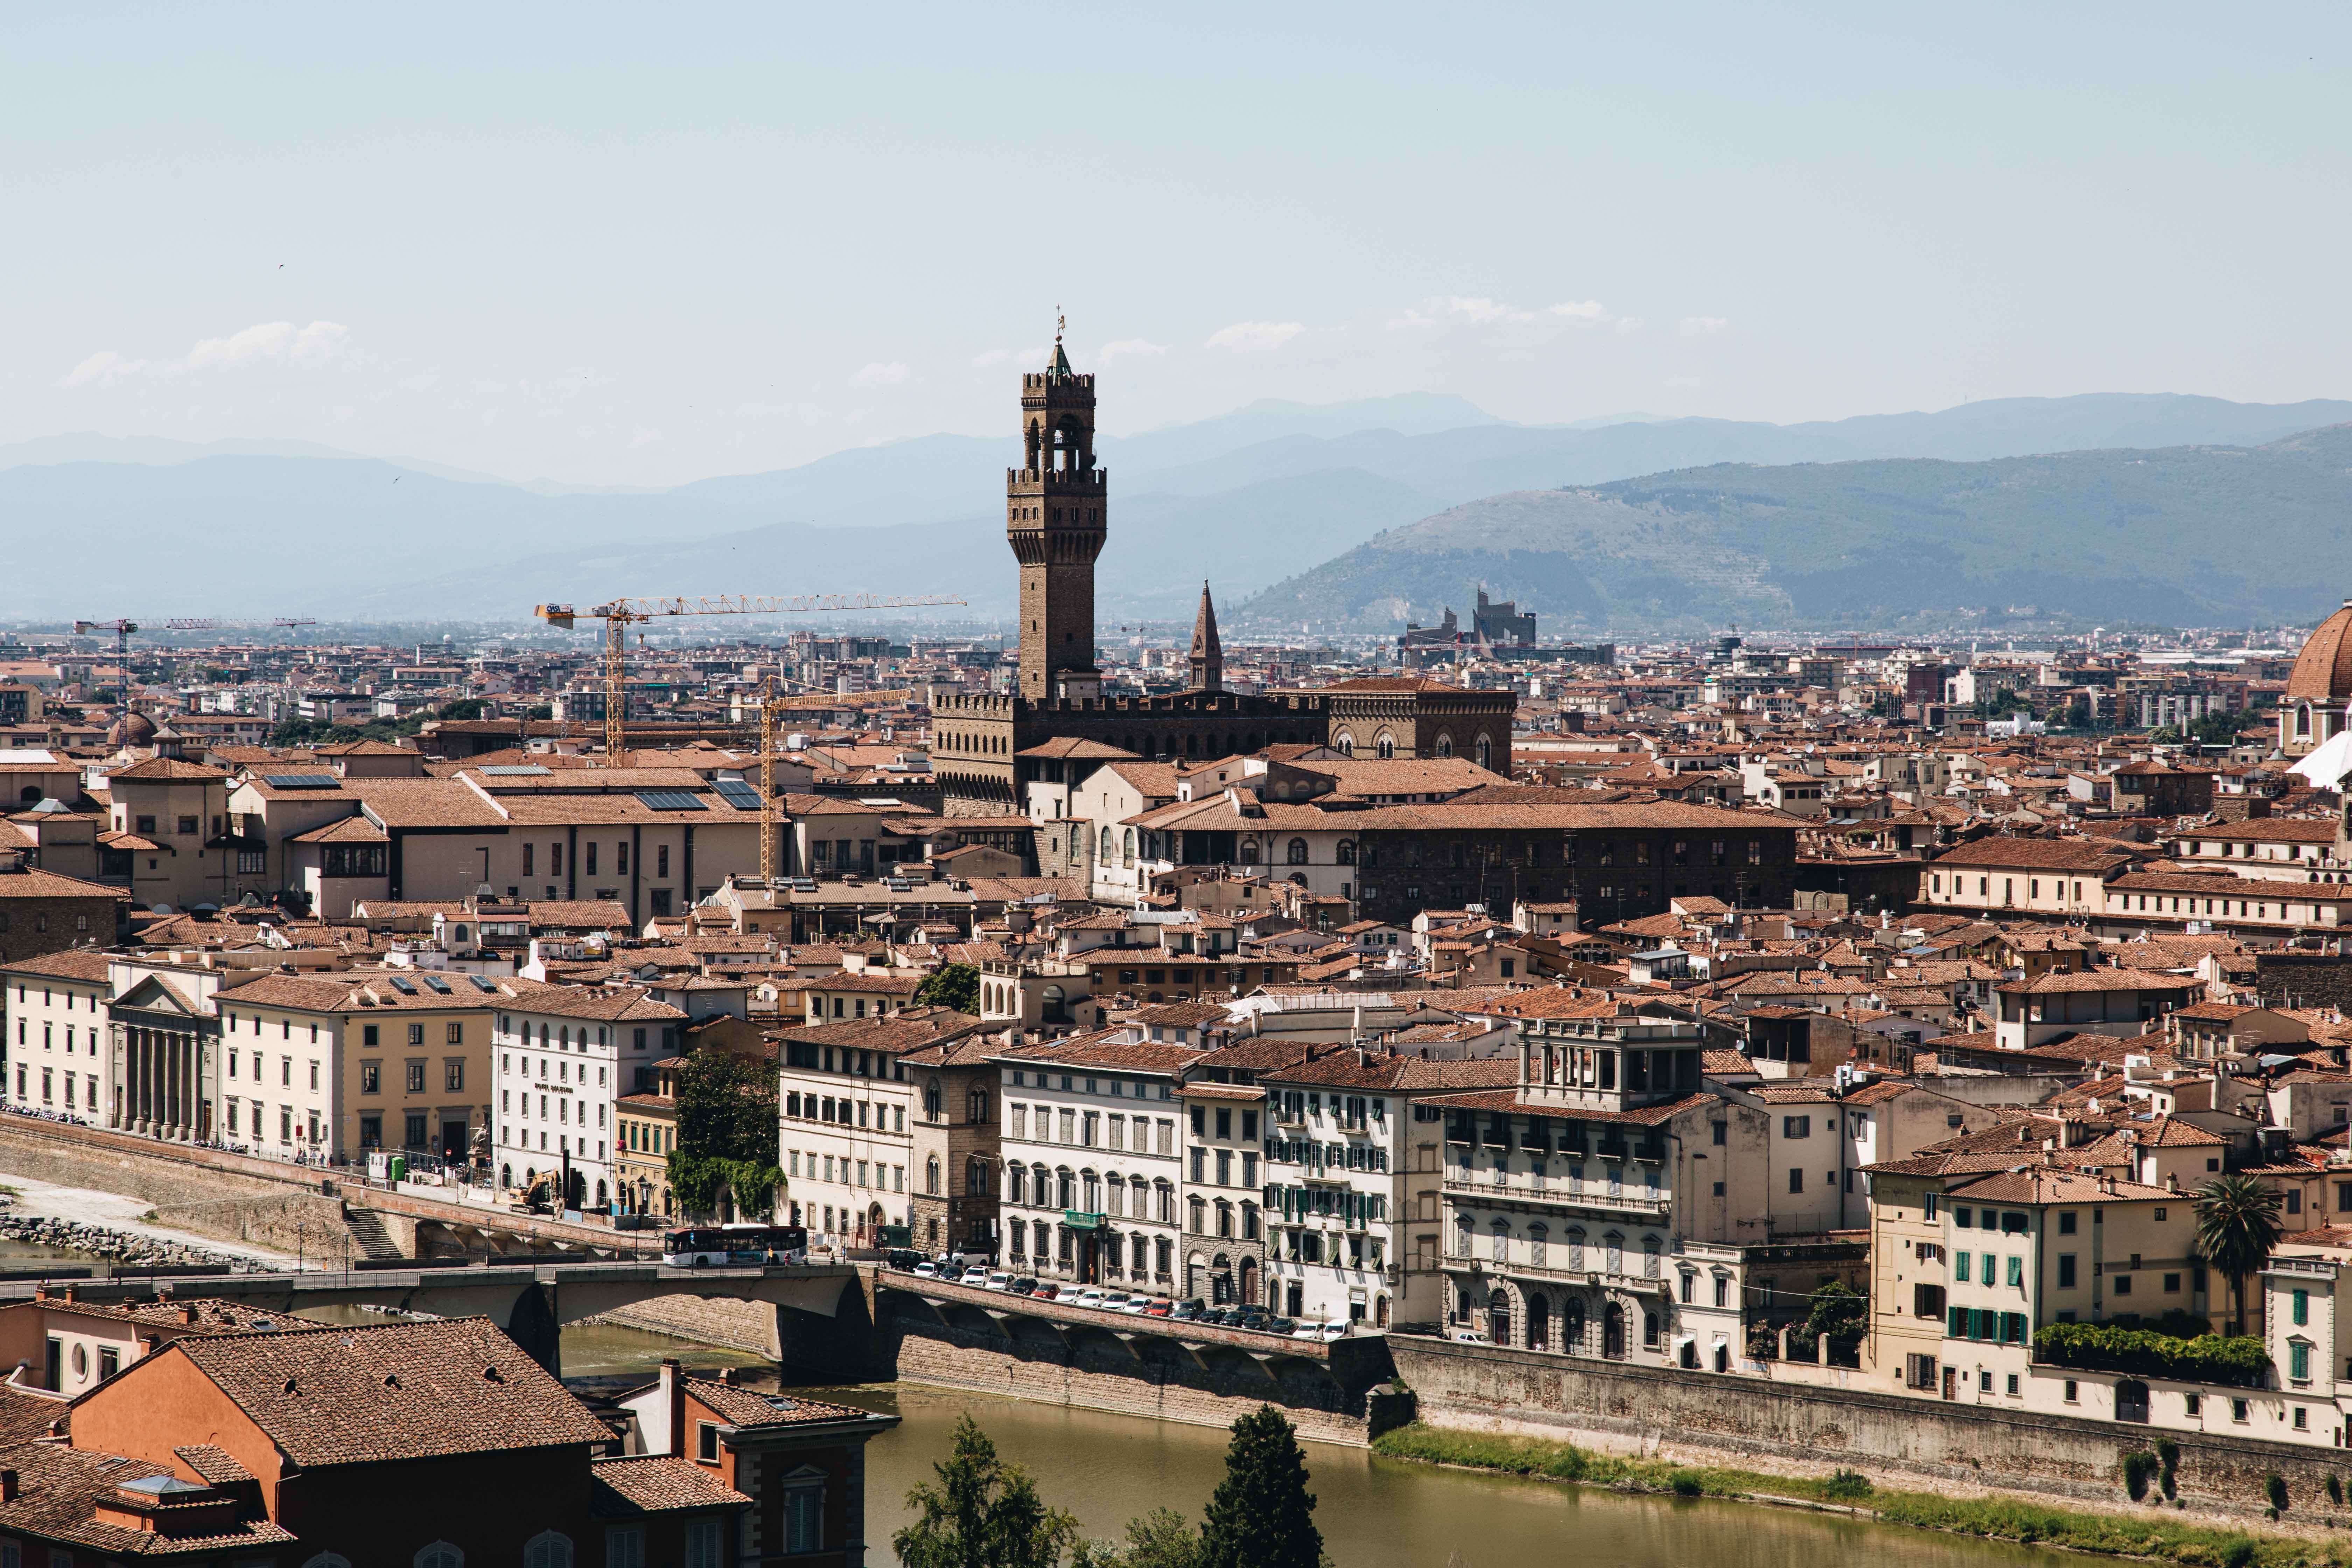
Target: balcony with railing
{"type": "Point", "coordinates": [1600, 1195]}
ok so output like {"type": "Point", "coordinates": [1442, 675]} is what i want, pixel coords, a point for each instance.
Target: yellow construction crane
{"type": "Point", "coordinates": [617, 615]}
{"type": "Point", "coordinates": [771, 705]}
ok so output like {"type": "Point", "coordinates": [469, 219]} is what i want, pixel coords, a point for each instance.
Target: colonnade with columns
{"type": "Point", "coordinates": [161, 1087]}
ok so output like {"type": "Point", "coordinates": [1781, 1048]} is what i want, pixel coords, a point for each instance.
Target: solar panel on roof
{"type": "Point", "coordinates": [517, 771]}
{"type": "Point", "coordinates": [670, 800]}
{"type": "Point", "coordinates": [302, 781]}
{"type": "Point", "coordinates": [403, 986]}
{"type": "Point", "coordinates": [738, 793]}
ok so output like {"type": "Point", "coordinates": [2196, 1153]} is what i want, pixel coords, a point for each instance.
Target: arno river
{"type": "Point", "coordinates": [1373, 1512]}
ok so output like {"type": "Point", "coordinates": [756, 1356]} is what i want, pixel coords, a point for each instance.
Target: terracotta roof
{"type": "Point", "coordinates": [2060, 981]}
{"type": "Point", "coordinates": [344, 831]}
{"type": "Point", "coordinates": [33, 883]}
{"type": "Point", "coordinates": [656, 1483]}
{"type": "Point", "coordinates": [59, 1490]}
{"type": "Point", "coordinates": [2035, 855]}
{"type": "Point", "coordinates": [84, 964]}
{"type": "Point", "coordinates": [2052, 1185]}
{"type": "Point", "coordinates": [395, 1391]}
{"type": "Point", "coordinates": [749, 1407]}
{"type": "Point", "coordinates": [167, 770]}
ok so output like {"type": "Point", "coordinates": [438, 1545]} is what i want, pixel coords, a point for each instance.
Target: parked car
{"type": "Point", "coordinates": [1284, 1327]}
{"type": "Point", "coordinates": [999, 1280]}
{"type": "Point", "coordinates": [1159, 1307]}
{"type": "Point", "coordinates": [1185, 1311]}
{"type": "Point", "coordinates": [1323, 1332]}
{"type": "Point", "coordinates": [901, 1258]}
{"type": "Point", "coordinates": [976, 1276]}
{"type": "Point", "coordinates": [1132, 1304]}
{"type": "Point", "coordinates": [1051, 1291]}
{"type": "Point", "coordinates": [1093, 1296]}
{"type": "Point", "coordinates": [1469, 1336]}
{"type": "Point", "coordinates": [927, 1269]}
{"type": "Point", "coordinates": [1023, 1285]}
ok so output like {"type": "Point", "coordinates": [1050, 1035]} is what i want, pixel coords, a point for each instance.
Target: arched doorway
{"type": "Point", "coordinates": [1498, 1318]}
{"type": "Point", "coordinates": [1249, 1282]}
{"type": "Point", "coordinates": [1380, 1311]}
{"type": "Point", "coordinates": [1571, 1327]}
{"type": "Point", "coordinates": [1538, 1325]}
{"type": "Point", "coordinates": [1612, 1333]}
{"type": "Point", "coordinates": [869, 1224]}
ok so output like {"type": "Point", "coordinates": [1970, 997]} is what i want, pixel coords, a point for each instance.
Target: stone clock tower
{"type": "Point", "coordinates": [1053, 520]}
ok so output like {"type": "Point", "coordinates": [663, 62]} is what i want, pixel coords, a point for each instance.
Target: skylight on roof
{"type": "Point", "coordinates": [302, 781]}
{"type": "Point", "coordinates": [405, 987]}
{"type": "Point", "coordinates": [482, 985]}
{"type": "Point", "coordinates": [435, 982]}
{"type": "Point", "coordinates": [517, 771]}
{"type": "Point", "coordinates": [670, 800]}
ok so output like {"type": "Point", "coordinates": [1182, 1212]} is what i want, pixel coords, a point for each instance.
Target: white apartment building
{"type": "Point", "coordinates": [844, 1103]}
{"type": "Point", "coordinates": [1341, 1156]}
{"type": "Point", "coordinates": [565, 1056]}
{"type": "Point", "coordinates": [1093, 1159]}
{"type": "Point", "coordinates": [56, 1011]}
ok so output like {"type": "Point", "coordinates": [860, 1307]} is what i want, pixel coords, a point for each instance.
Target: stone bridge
{"type": "Point", "coordinates": [986, 1340]}
{"type": "Point", "coordinates": [827, 1306]}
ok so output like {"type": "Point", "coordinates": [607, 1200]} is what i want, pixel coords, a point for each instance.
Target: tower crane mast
{"type": "Point", "coordinates": [619, 614]}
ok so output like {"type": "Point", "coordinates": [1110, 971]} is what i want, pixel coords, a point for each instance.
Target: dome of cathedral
{"type": "Point", "coordinates": [2323, 670]}
{"type": "Point", "coordinates": [130, 729]}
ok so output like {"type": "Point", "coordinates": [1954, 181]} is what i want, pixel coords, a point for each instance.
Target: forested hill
{"type": "Point", "coordinates": [2180, 535]}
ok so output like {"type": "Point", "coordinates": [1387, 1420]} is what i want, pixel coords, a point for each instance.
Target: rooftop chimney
{"type": "Point", "coordinates": [673, 1388]}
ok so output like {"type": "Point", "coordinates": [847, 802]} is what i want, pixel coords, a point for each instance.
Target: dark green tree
{"type": "Point", "coordinates": [1161, 1539]}
{"type": "Point", "coordinates": [983, 1513]}
{"type": "Point", "coordinates": [2237, 1225]}
{"type": "Point", "coordinates": [726, 1133]}
{"type": "Point", "coordinates": [955, 985]}
{"type": "Point", "coordinates": [1836, 1310]}
{"type": "Point", "coordinates": [1263, 1514]}
{"type": "Point", "coordinates": [464, 708]}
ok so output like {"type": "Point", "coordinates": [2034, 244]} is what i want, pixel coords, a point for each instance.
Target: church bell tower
{"type": "Point", "coordinates": [1053, 507]}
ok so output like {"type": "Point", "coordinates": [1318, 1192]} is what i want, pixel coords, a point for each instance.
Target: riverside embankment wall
{"type": "Point", "coordinates": [202, 1199]}
{"type": "Point", "coordinates": [1129, 1370]}
{"type": "Point", "coordinates": [1704, 1417]}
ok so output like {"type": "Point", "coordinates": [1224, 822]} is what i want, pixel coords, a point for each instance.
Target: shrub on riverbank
{"type": "Point", "coordinates": [2194, 1546]}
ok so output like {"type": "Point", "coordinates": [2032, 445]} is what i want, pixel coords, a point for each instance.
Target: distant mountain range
{"type": "Point", "coordinates": [2178, 535]}
{"type": "Point", "coordinates": [99, 526]}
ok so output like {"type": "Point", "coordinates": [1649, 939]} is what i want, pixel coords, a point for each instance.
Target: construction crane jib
{"type": "Point", "coordinates": [618, 613]}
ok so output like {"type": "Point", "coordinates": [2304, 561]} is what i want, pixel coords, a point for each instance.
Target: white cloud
{"type": "Point", "coordinates": [1126, 347]}
{"type": "Point", "coordinates": [1449, 310]}
{"type": "Point", "coordinates": [1703, 326]}
{"type": "Point", "coordinates": [266, 342]}
{"type": "Point", "coordinates": [881, 375]}
{"type": "Point", "coordinates": [1252, 336]}
{"type": "Point", "coordinates": [101, 367]}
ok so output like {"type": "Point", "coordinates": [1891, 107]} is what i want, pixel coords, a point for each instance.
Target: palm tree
{"type": "Point", "coordinates": [2237, 1225]}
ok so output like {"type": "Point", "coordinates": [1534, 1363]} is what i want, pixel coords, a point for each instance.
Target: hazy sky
{"type": "Point", "coordinates": [643, 243]}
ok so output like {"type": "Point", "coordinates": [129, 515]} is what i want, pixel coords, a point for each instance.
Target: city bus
{"type": "Point", "coordinates": [735, 1246]}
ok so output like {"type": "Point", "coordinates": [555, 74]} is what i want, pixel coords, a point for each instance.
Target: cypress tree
{"type": "Point", "coordinates": [1263, 1514]}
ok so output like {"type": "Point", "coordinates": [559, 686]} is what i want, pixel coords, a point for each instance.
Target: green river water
{"type": "Point", "coordinates": [1373, 1512]}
